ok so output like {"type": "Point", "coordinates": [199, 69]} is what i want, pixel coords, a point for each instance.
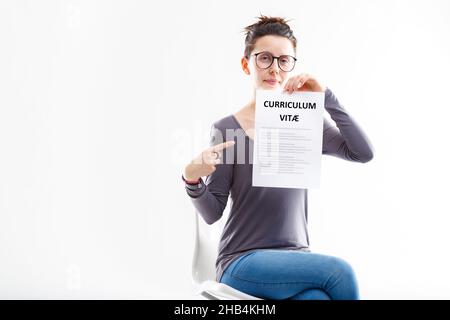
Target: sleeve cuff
{"type": "Point", "coordinates": [197, 192]}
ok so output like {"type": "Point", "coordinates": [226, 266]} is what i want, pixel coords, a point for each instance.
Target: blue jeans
{"type": "Point", "coordinates": [278, 274]}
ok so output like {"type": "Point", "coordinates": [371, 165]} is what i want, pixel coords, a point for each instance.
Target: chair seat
{"type": "Point", "coordinates": [221, 291]}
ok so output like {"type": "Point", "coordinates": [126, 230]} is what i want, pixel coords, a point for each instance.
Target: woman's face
{"type": "Point", "coordinates": [272, 77]}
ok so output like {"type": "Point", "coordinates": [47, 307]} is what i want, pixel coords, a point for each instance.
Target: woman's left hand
{"type": "Point", "coordinates": [303, 82]}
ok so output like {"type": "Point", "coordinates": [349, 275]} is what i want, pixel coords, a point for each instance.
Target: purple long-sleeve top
{"type": "Point", "coordinates": [264, 217]}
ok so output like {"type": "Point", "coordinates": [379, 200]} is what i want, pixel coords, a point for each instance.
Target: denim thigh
{"type": "Point", "coordinates": [280, 274]}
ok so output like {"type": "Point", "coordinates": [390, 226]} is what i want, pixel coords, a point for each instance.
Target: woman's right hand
{"type": "Point", "coordinates": [205, 163]}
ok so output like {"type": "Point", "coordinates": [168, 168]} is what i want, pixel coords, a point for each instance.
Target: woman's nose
{"type": "Point", "coordinates": [274, 67]}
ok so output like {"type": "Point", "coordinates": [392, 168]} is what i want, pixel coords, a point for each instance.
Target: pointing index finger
{"type": "Point", "coordinates": [222, 146]}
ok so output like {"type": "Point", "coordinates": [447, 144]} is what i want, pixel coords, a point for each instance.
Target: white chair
{"type": "Point", "coordinates": [204, 260]}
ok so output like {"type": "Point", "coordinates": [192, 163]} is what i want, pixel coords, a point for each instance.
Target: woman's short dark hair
{"type": "Point", "coordinates": [267, 26]}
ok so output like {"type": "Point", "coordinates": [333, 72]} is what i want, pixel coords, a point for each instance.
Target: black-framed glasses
{"type": "Point", "coordinates": [265, 59]}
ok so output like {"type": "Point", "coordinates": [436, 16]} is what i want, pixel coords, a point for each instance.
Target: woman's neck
{"type": "Point", "coordinates": [248, 111]}
{"type": "Point", "coordinates": [251, 105]}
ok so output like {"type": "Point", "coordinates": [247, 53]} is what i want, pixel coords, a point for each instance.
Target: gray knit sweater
{"type": "Point", "coordinates": [263, 217]}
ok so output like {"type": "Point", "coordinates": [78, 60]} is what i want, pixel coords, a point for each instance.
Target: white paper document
{"type": "Point", "coordinates": [288, 139]}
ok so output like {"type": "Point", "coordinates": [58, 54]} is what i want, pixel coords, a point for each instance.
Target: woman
{"type": "Point", "coordinates": [264, 247]}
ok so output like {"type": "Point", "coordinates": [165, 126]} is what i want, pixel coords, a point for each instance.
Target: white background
{"type": "Point", "coordinates": [102, 103]}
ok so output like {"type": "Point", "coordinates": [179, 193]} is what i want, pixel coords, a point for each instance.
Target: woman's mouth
{"type": "Point", "coordinates": [271, 82]}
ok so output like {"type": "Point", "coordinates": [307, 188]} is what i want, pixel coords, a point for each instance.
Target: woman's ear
{"type": "Point", "coordinates": [244, 64]}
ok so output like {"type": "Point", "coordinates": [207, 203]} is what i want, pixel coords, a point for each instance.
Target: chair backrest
{"type": "Point", "coordinates": [206, 246]}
